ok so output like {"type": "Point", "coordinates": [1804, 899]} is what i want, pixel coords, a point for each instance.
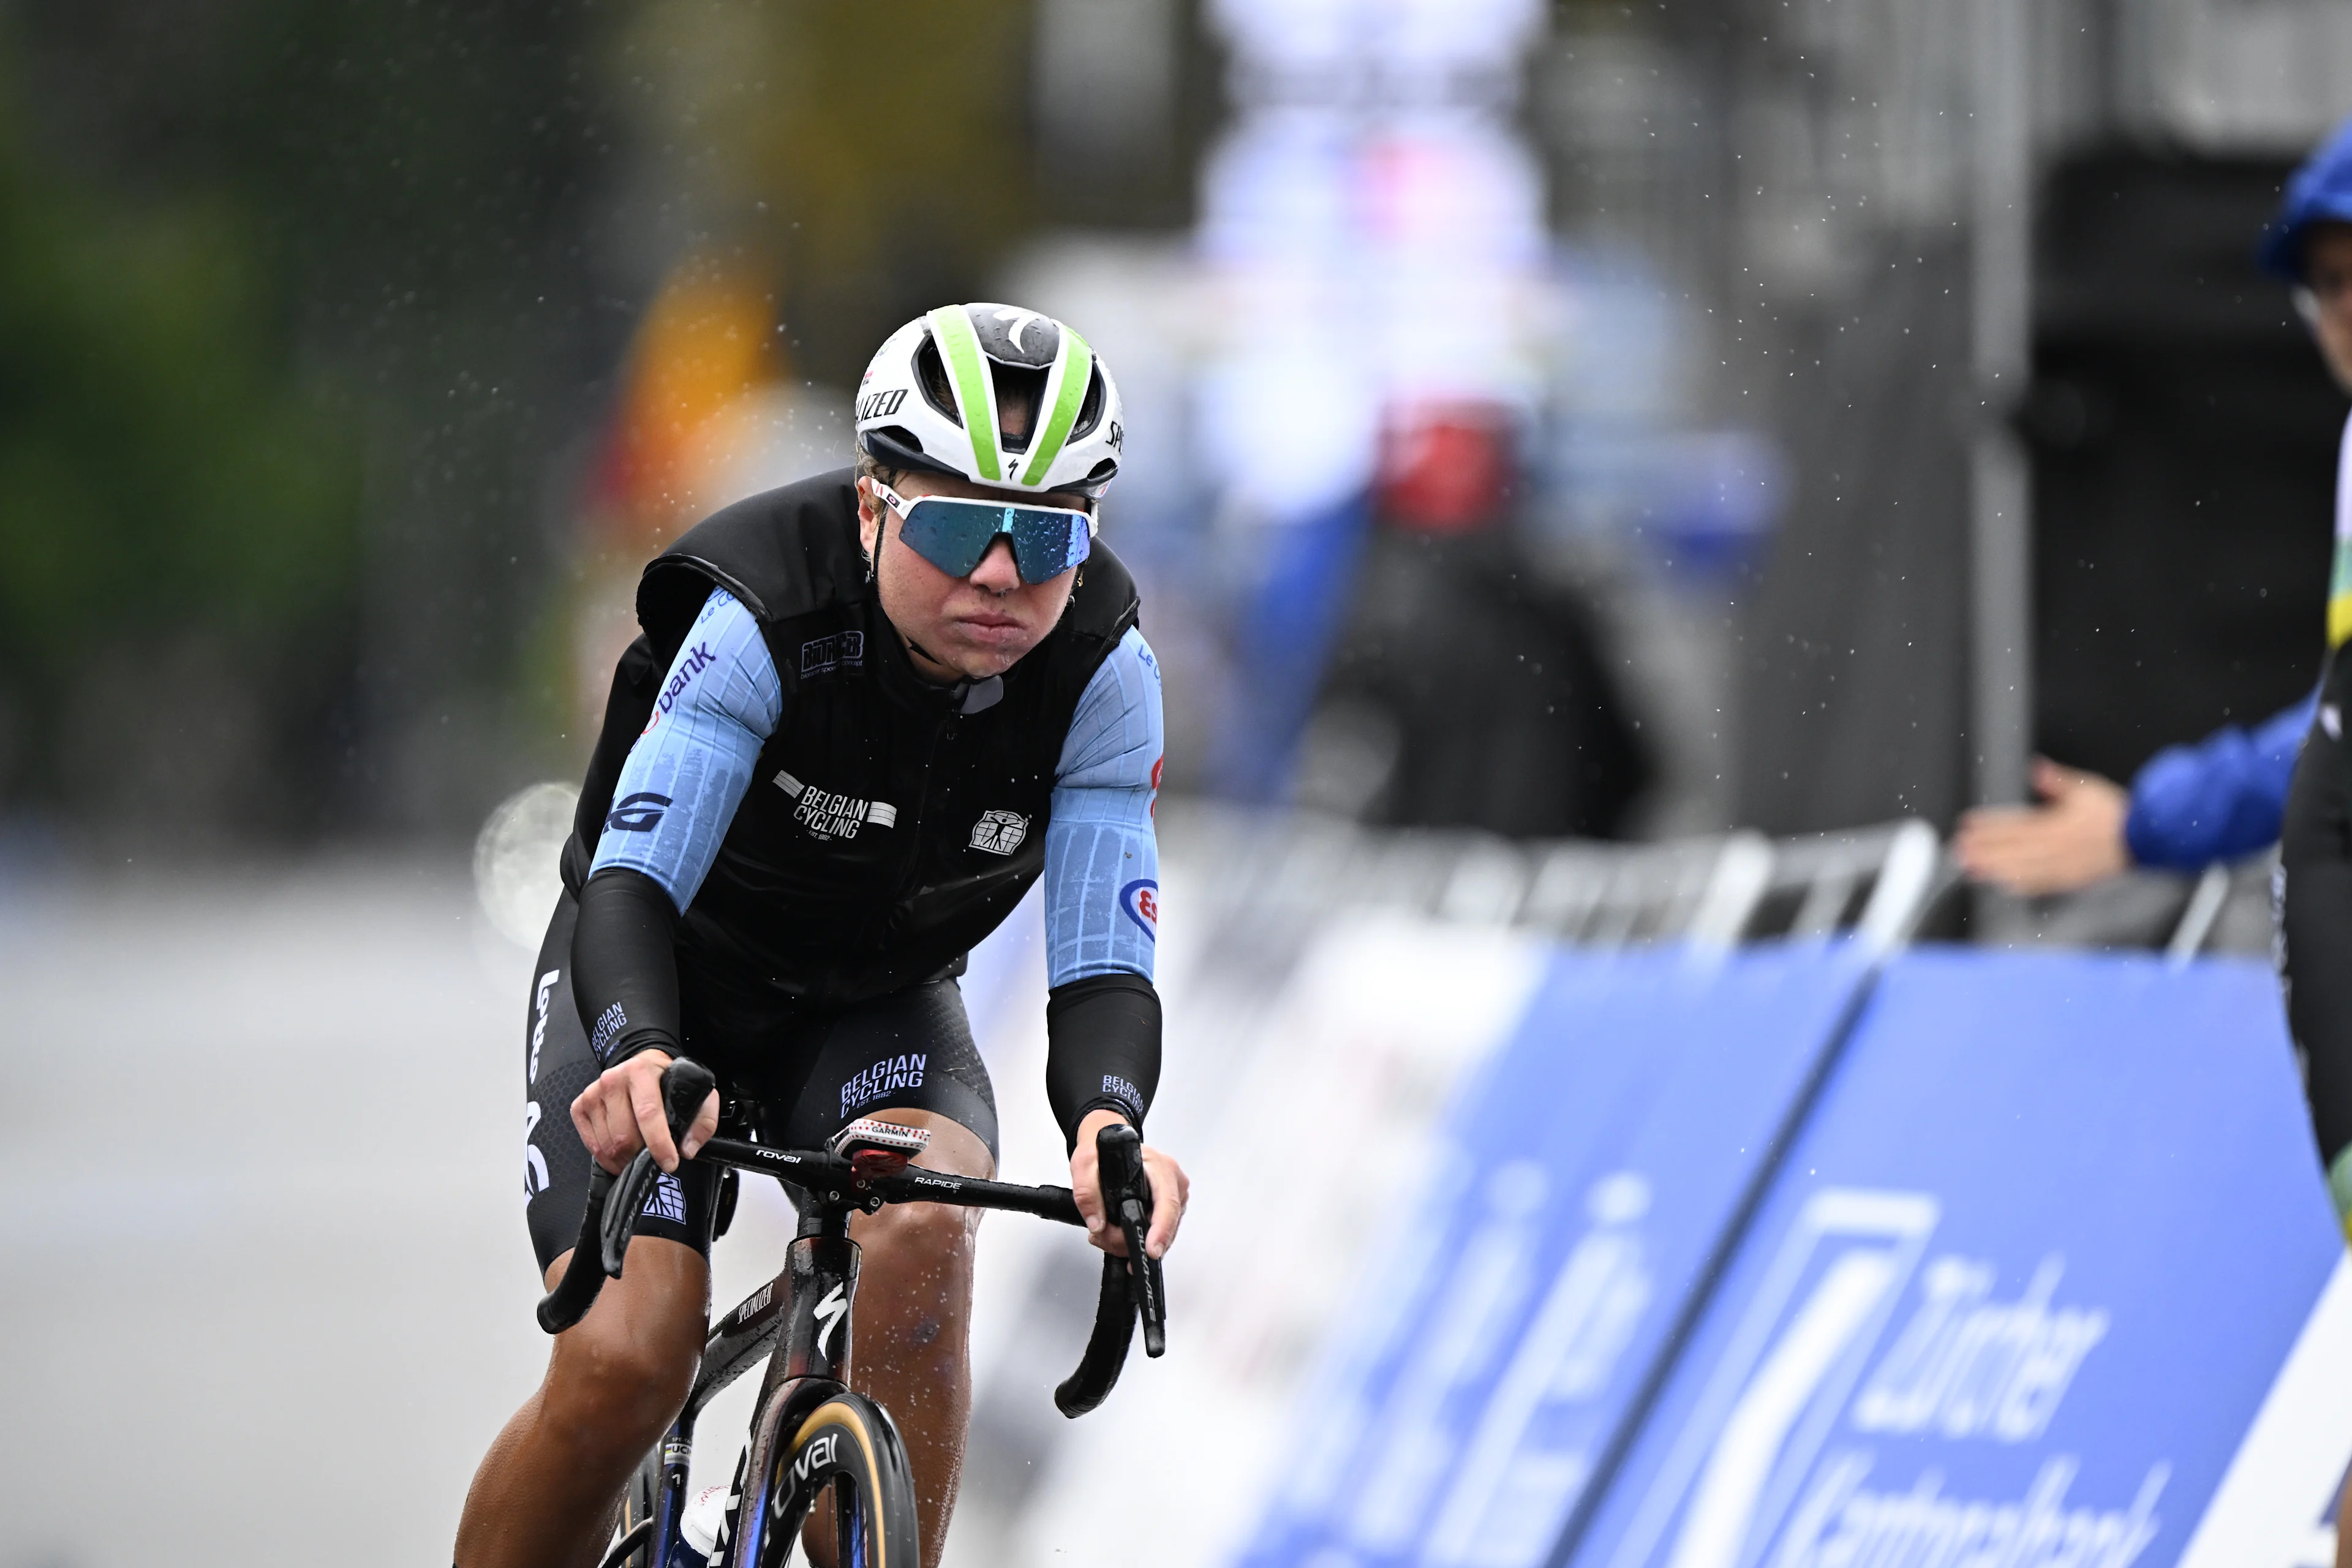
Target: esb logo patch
{"type": "Point", "coordinates": [1140, 900]}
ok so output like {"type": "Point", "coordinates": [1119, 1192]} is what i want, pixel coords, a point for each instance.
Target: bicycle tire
{"type": "Point", "coordinates": [846, 1443]}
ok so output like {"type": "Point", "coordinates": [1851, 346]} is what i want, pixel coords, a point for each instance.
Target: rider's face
{"type": "Point", "coordinates": [2327, 275]}
{"type": "Point", "coordinates": [974, 626]}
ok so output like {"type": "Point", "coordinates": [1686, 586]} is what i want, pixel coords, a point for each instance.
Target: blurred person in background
{"type": "Point", "coordinates": [868, 710]}
{"type": "Point", "coordinates": [1467, 689]}
{"type": "Point", "coordinates": [2227, 795]}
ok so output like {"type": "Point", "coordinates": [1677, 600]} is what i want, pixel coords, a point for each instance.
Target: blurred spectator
{"type": "Point", "coordinates": [2225, 795]}
{"type": "Point", "coordinates": [2187, 807]}
{"type": "Point", "coordinates": [1468, 690]}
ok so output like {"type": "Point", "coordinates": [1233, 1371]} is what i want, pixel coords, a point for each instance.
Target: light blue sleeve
{"type": "Point", "coordinates": [1102, 858]}
{"type": "Point", "coordinates": [687, 773]}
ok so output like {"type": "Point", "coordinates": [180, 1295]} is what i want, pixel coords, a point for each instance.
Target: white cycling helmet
{"type": "Point", "coordinates": [995, 395]}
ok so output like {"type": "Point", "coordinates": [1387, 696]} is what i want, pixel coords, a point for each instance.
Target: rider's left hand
{"type": "Point", "coordinates": [1170, 1189]}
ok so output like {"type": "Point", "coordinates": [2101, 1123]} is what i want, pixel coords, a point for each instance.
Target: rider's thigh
{"type": "Point", "coordinates": [928, 1229]}
{"type": "Point", "coordinates": [624, 1368]}
{"type": "Point", "coordinates": [909, 1051]}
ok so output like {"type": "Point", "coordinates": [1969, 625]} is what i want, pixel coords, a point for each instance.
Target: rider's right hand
{"type": "Point", "coordinates": [621, 1112]}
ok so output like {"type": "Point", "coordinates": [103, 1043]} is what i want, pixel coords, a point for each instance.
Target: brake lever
{"type": "Point", "coordinates": [1119, 1150]}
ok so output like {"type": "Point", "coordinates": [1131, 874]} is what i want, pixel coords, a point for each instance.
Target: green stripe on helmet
{"type": "Point", "coordinates": [1065, 390]}
{"type": "Point", "coordinates": [975, 390]}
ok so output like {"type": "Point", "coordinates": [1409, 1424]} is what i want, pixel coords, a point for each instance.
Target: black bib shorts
{"type": "Point", "coordinates": [808, 1074]}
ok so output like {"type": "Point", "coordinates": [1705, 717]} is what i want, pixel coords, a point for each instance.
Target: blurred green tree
{"type": "Point", "coordinates": [175, 514]}
{"type": "Point", "coordinates": [309, 314]}
{"type": "Point", "coordinates": [299, 309]}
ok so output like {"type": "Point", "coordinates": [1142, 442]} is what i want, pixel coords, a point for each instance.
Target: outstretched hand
{"type": "Point", "coordinates": [1171, 1190]}
{"type": "Point", "coordinates": [2074, 838]}
{"type": "Point", "coordinates": [621, 1113]}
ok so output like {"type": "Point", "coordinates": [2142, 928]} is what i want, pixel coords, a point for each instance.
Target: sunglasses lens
{"type": "Point", "coordinates": [950, 535]}
{"type": "Point", "coordinates": [1048, 543]}
{"type": "Point", "coordinates": [955, 535]}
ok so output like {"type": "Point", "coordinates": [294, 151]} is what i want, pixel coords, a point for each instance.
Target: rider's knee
{"type": "Point", "coordinates": [919, 1233]}
{"type": "Point", "coordinates": [612, 1379]}
{"type": "Point", "coordinates": [626, 1368]}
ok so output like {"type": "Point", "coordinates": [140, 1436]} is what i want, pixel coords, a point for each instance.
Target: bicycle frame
{"type": "Point", "coordinates": [800, 1320]}
{"type": "Point", "coordinates": [806, 1306]}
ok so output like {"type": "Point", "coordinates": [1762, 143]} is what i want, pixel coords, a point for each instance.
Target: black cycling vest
{"type": "Point", "coordinates": [890, 824]}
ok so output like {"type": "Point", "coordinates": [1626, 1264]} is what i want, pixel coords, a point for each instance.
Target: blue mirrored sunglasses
{"type": "Point", "coordinates": [954, 534]}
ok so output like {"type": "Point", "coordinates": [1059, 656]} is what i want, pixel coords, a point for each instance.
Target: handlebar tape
{"type": "Point", "coordinates": [606, 1221]}
{"type": "Point", "coordinates": [1131, 1285]}
{"type": "Point", "coordinates": [1106, 1353]}
{"type": "Point", "coordinates": [686, 1083]}
{"type": "Point", "coordinates": [576, 1292]}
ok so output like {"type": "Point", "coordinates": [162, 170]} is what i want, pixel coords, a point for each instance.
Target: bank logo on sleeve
{"type": "Point", "coordinates": [999, 832]}
{"type": "Point", "coordinates": [691, 662]}
{"type": "Point", "coordinates": [1140, 900]}
{"type": "Point", "coordinates": [831, 816]}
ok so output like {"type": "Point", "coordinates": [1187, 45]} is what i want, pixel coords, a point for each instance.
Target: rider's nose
{"type": "Point", "coordinates": [996, 572]}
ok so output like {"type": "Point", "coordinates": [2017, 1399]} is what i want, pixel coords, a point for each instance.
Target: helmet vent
{"type": "Point", "coordinates": [1020, 395]}
{"type": "Point", "coordinates": [1090, 411]}
{"type": "Point", "coordinates": [931, 377]}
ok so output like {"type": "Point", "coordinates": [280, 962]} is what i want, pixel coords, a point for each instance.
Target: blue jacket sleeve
{"type": "Point", "coordinates": [689, 771]}
{"type": "Point", "coordinates": [2221, 798]}
{"type": "Point", "coordinates": [1102, 858]}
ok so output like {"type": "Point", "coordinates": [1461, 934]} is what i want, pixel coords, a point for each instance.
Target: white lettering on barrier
{"type": "Point", "coordinates": [1962, 1366]}
{"type": "Point", "coordinates": [1511, 1494]}
{"type": "Point", "coordinates": [1840, 1522]}
{"type": "Point", "coordinates": [1828, 1323]}
{"type": "Point", "coordinates": [1799, 1344]}
{"type": "Point", "coordinates": [1485, 1289]}
{"type": "Point", "coordinates": [1970, 1368]}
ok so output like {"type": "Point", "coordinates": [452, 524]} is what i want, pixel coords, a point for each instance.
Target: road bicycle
{"type": "Point", "coordinates": [810, 1431]}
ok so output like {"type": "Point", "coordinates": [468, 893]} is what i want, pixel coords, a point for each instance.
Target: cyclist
{"type": "Point", "coordinates": [868, 710]}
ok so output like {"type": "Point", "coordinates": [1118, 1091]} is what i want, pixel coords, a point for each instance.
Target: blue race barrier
{"type": "Point", "coordinates": [2047, 1239]}
{"type": "Point", "coordinates": [1597, 1169]}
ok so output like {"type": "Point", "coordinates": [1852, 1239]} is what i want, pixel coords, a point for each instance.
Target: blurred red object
{"type": "Point", "coordinates": [1446, 467]}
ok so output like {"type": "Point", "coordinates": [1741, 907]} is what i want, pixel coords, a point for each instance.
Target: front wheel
{"type": "Point", "coordinates": [848, 1445]}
